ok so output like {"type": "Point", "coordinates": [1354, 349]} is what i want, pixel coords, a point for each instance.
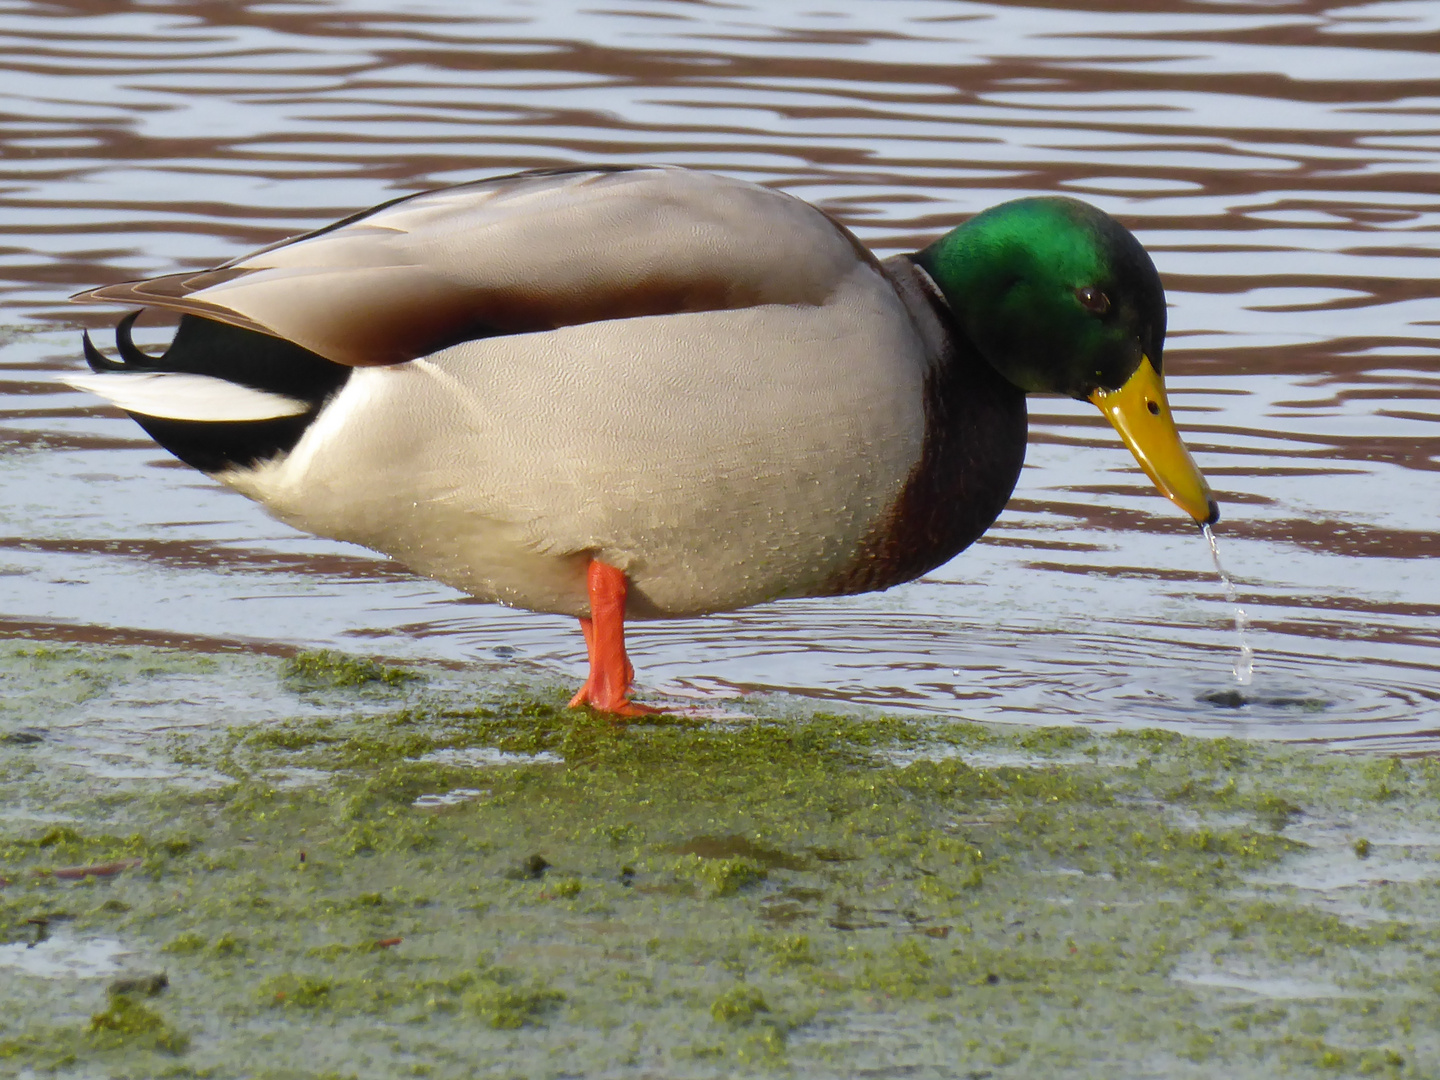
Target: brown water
{"type": "Point", "coordinates": [1280, 161]}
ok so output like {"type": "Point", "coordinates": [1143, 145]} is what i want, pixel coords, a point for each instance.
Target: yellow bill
{"type": "Point", "coordinates": [1140, 412]}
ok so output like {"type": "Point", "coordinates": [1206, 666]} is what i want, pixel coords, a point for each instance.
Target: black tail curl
{"type": "Point", "coordinates": [246, 357]}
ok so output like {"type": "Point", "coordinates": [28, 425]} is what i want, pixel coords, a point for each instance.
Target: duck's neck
{"type": "Point", "coordinates": [971, 454]}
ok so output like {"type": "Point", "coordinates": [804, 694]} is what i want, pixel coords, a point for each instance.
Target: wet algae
{"type": "Point", "coordinates": [460, 879]}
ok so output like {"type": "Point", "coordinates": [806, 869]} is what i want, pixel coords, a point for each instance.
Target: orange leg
{"type": "Point", "coordinates": [608, 687]}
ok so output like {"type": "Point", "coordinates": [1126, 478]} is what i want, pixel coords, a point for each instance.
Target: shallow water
{"type": "Point", "coordinates": [396, 895]}
{"type": "Point", "coordinates": [61, 957]}
{"type": "Point", "coordinates": [1277, 159]}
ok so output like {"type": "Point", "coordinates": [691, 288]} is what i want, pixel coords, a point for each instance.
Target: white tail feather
{"type": "Point", "coordinates": [177, 395]}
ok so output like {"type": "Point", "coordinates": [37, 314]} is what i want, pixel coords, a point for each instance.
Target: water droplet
{"type": "Point", "coordinates": [1244, 669]}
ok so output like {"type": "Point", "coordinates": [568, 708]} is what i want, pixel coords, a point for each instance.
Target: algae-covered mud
{"type": "Point", "coordinates": [376, 873]}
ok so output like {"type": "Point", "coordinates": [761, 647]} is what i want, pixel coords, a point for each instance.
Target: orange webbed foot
{"type": "Point", "coordinates": [622, 708]}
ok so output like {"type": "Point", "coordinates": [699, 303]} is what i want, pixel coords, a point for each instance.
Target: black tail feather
{"type": "Point", "coordinates": [205, 347]}
{"type": "Point", "coordinates": [129, 351]}
{"type": "Point", "coordinates": [97, 360]}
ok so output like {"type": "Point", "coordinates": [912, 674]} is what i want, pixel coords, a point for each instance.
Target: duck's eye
{"type": "Point", "coordinates": [1092, 299]}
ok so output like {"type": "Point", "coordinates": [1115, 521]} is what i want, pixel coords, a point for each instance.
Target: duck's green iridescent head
{"type": "Point", "coordinates": [1060, 298]}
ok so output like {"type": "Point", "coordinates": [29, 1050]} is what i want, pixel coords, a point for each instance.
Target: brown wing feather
{"type": "Point", "coordinates": [174, 292]}
{"type": "Point", "coordinates": [518, 254]}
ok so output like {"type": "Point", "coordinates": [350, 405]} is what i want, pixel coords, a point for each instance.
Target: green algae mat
{"type": "Point", "coordinates": [238, 866]}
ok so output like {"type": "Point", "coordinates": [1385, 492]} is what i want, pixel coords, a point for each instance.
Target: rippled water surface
{"type": "Point", "coordinates": [1280, 160]}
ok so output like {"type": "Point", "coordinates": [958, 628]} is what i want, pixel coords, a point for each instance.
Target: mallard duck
{"type": "Point", "coordinates": [647, 392]}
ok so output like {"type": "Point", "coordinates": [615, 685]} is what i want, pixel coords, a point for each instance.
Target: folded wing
{"type": "Point", "coordinates": [517, 254]}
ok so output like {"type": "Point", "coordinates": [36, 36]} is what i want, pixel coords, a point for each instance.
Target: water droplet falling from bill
{"type": "Point", "coordinates": [1244, 668]}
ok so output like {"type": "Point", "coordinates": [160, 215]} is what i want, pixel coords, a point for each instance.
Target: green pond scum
{"type": "Point", "coordinates": [343, 870]}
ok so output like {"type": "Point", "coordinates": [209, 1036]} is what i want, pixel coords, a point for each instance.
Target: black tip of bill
{"type": "Point", "coordinates": [1214, 514]}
